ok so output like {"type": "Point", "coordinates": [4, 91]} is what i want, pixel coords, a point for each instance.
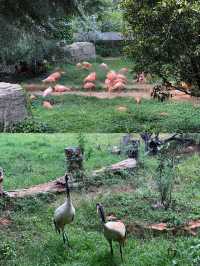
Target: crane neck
{"type": "Point", "coordinates": [67, 190]}
{"type": "Point", "coordinates": [102, 215]}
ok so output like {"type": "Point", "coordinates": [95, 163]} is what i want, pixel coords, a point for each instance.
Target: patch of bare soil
{"type": "Point", "coordinates": [133, 91]}
{"type": "Point", "coordinates": [192, 149]}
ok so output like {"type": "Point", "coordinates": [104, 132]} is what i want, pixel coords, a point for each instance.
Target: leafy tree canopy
{"type": "Point", "coordinates": [28, 27]}
{"type": "Point", "coordinates": [166, 37]}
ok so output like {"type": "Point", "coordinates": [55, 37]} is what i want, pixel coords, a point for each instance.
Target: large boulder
{"type": "Point", "coordinates": [12, 103]}
{"type": "Point", "coordinates": [78, 51]}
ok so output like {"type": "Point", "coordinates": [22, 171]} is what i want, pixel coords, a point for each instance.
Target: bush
{"type": "Point", "coordinates": [165, 37]}
{"type": "Point", "coordinates": [29, 125]}
{"type": "Point", "coordinates": [165, 181]}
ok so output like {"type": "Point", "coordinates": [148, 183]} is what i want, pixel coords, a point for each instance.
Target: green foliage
{"type": "Point", "coordinates": [30, 159]}
{"type": "Point", "coordinates": [29, 125]}
{"type": "Point", "coordinates": [112, 49]}
{"type": "Point", "coordinates": [99, 16]}
{"type": "Point", "coordinates": [90, 114]}
{"type": "Point", "coordinates": [165, 37]}
{"type": "Point", "coordinates": [27, 27]}
{"type": "Point", "coordinates": [165, 181]}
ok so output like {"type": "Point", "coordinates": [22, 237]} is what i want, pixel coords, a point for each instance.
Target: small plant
{"type": "Point", "coordinates": [81, 142]}
{"type": "Point", "coordinates": [29, 125]}
{"type": "Point", "coordinates": [165, 181]}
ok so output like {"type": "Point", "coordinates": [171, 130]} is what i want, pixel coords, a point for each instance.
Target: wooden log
{"type": "Point", "coordinates": [128, 164]}
{"type": "Point", "coordinates": [58, 185]}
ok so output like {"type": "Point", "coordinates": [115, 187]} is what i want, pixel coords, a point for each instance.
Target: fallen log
{"type": "Point", "coordinates": [58, 185]}
{"type": "Point", "coordinates": [189, 228]}
{"type": "Point", "coordinates": [128, 164]}
{"type": "Point", "coordinates": [52, 187]}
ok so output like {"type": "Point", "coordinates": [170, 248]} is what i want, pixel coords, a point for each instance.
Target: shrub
{"type": "Point", "coordinates": [165, 181]}
{"type": "Point", "coordinates": [165, 37]}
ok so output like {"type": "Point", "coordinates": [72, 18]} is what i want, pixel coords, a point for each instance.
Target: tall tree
{"type": "Point", "coordinates": [28, 27]}
{"type": "Point", "coordinates": [166, 37]}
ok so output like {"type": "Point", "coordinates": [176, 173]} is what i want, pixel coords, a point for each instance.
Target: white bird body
{"type": "Point", "coordinates": [115, 231]}
{"type": "Point", "coordinates": [64, 214]}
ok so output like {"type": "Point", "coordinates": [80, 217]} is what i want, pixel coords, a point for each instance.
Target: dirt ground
{"type": "Point", "coordinates": [133, 91]}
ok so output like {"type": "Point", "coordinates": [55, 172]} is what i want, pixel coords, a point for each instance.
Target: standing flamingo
{"type": "Point", "coordinates": [89, 86]}
{"type": "Point", "coordinates": [91, 77]}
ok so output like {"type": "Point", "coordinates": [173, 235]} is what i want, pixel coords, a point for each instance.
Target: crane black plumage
{"type": "Point", "coordinates": [64, 214]}
{"type": "Point", "coordinates": [113, 230]}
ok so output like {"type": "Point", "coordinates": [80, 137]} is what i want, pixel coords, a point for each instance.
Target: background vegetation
{"type": "Point", "coordinates": [165, 37]}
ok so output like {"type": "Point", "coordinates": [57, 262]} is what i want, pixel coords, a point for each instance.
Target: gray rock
{"type": "Point", "coordinates": [12, 103]}
{"type": "Point", "coordinates": [99, 36]}
{"type": "Point", "coordinates": [78, 51]}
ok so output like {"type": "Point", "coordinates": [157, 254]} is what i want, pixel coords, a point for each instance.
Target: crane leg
{"type": "Point", "coordinates": [120, 247]}
{"type": "Point", "coordinates": [63, 235]}
{"type": "Point", "coordinates": [56, 228]}
{"type": "Point", "coordinates": [111, 248]}
{"type": "Point", "coordinates": [66, 239]}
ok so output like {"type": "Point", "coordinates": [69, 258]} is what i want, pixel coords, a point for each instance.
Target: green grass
{"type": "Point", "coordinates": [31, 239]}
{"type": "Point", "coordinates": [30, 159]}
{"type": "Point", "coordinates": [88, 114]}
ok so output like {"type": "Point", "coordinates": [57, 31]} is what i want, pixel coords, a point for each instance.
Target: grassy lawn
{"type": "Point", "coordinates": [31, 159]}
{"type": "Point", "coordinates": [31, 239]}
{"type": "Point", "coordinates": [88, 114]}
{"type": "Point", "coordinates": [73, 113]}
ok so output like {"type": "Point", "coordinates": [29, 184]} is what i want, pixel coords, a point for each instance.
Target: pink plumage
{"type": "Point", "coordinates": [91, 77]}
{"type": "Point", "coordinates": [47, 92]}
{"type": "Point", "coordinates": [111, 75]}
{"type": "Point", "coordinates": [89, 86]}
{"type": "Point", "coordinates": [61, 88]}
{"type": "Point", "coordinates": [119, 86]}
{"type": "Point", "coordinates": [115, 81]}
{"type": "Point", "coordinates": [86, 65]}
{"type": "Point", "coordinates": [47, 105]}
{"type": "Point", "coordinates": [53, 77]}
{"type": "Point", "coordinates": [122, 77]}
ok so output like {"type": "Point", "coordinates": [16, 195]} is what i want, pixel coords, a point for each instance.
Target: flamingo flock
{"type": "Point", "coordinates": [51, 80]}
{"type": "Point", "coordinates": [115, 81]}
